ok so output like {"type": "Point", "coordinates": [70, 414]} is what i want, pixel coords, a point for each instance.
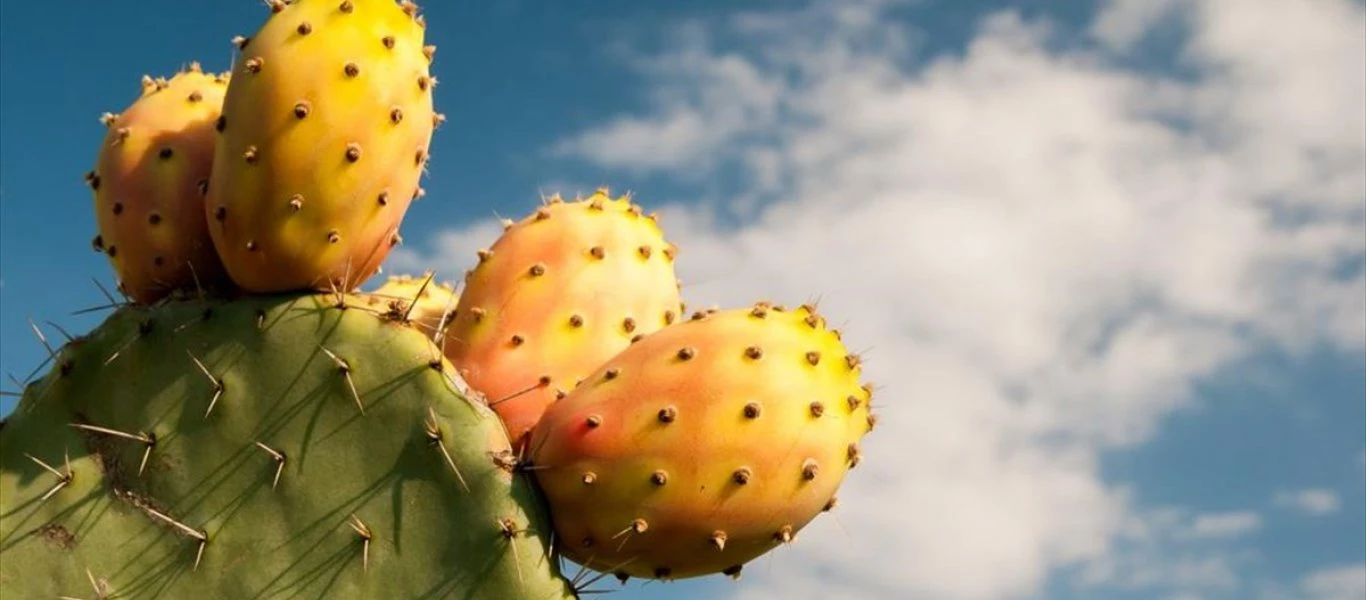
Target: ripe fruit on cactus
{"type": "Point", "coordinates": [559, 293]}
{"type": "Point", "coordinates": [704, 445]}
{"type": "Point", "coordinates": [268, 447]}
{"type": "Point", "coordinates": [149, 182]}
{"type": "Point", "coordinates": [323, 141]}
{"type": "Point", "coordinates": [422, 301]}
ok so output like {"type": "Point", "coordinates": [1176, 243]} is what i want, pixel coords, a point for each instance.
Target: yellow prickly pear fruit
{"type": "Point", "coordinates": [149, 181]}
{"type": "Point", "coordinates": [704, 445]}
{"type": "Point", "coordinates": [559, 293]}
{"type": "Point", "coordinates": [426, 303]}
{"type": "Point", "coordinates": [323, 141]}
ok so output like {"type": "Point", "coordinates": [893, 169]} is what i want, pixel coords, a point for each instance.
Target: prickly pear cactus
{"type": "Point", "coordinates": [149, 182]}
{"type": "Point", "coordinates": [276, 435]}
{"type": "Point", "coordinates": [704, 445]}
{"type": "Point", "coordinates": [324, 139]}
{"type": "Point", "coordinates": [557, 294]}
{"type": "Point", "coordinates": [271, 447]}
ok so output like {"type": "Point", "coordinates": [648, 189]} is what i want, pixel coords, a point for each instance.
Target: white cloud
{"type": "Point", "coordinates": [1316, 501]}
{"type": "Point", "coordinates": [723, 95]}
{"type": "Point", "coordinates": [1126, 22]}
{"type": "Point", "coordinates": [1042, 250]}
{"type": "Point", "coordinates": [1223, 525]}
{"type": "Point", "coordinates": [1335, 583]}
{"type": "Point", "coordinates": [454, 248]}
{"type": "Point", "coordinates": [1170, 550]}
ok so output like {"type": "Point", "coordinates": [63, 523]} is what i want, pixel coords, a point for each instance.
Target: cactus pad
{"type": "Point", "coordinates": [271, 447]}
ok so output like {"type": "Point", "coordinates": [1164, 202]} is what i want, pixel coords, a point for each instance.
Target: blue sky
{"type": "Point", "coordinates": [1107, 257]}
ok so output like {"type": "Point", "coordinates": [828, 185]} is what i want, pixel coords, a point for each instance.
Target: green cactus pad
{"type": "Point", "coordinates": [117, 480]}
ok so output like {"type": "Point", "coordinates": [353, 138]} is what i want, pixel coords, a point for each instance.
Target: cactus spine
{"type": "Point", "coordinates": [423, 301]}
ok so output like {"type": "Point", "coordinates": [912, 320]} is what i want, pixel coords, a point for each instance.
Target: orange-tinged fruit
{"type": "Point", "coordinates": [323, 142]}
{"type": "Point", "coordinates": [557, 294]}
{"type": "Point", "coordinates": [704, 445]}
{"type": "Point", "coordinates": [148, 185]}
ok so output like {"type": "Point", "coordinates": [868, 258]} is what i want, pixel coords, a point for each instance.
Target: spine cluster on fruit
{"type": "Point", "coordinates": [249, 423]}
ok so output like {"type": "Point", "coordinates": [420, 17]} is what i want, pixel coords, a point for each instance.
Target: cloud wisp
{"type": "Point", "coordinates": [1314, 501]}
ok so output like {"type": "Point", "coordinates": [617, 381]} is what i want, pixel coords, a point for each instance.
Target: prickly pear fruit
{"type": "Point", "coordinates": [422, 301]}
{"type": "Point", "coordinates": [559, 293]}
{"type": "Point", "coordinates": [149, 183]}
{"type": "Point", "coordinates": [704, 445]}
{"type": "Point", "coordinates": [270, 447]}
{"type": "Point", "coordinates": [324, 138]}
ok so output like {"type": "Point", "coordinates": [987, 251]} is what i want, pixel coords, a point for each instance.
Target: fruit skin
{"type": "Point", "coordinates": [557, 294]}
{"type": "Point", "coordinates": [148, 187]}
{"type": "Point", "coordinates": [324, 139]}
{"type": "Point", "coordinates": [426, 303]}
{"type": "Point", "coordinates": [704, 445]}
{"type": "Point", "coordinates": [433, 533]}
